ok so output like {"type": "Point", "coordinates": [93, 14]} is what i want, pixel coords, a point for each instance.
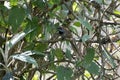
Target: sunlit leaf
{"type": "Point", "coordinates": [13, 2]}
{"type": "Point", "coordinates": [29, 53]}
{"type": "Point", "coordinates": [16, 39]}
{"type": "Point", "coordinates": [77, 23]}
{"type": "Point", "coordinates": [87, 74]}
{"type": "Point", "coordinates": [25, 58]}
{"type": "Point", "coordinates": [75, 7]}
{"type": "Point", "coordinates": [35, 77]}
{"type": "Point", "coordinates": [7, 5]}
{"type": "Point", "coordinates": [117, 12]}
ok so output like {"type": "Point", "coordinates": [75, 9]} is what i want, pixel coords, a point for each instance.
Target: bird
{"type": "Point", "coordinates": [64, 33]}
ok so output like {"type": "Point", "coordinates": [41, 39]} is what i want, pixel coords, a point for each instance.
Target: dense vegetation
{"type": "Point", "coordinates": [59, 39]}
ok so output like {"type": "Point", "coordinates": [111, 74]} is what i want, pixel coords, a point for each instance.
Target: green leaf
{"type": "Point", "coordinates": [72, 28]}
{"type": "Point", "coordinates": [33, 25]}
{"type": "Point", "coordinates": [78, 63]}
{"type": "Point", "coordinates": [29, 46]}
{"type": "Point", "coordinates": [88, 63]}
{"type": "Point", "coordinates": [51, 56]}
{"type": "Point", "coordinates": [88, 60]}
{"type": "Point", "coordinates": [117, 12]}
{"type": "Point", "coordinates": [25, 58]}
{"type": "Point", "coordinates": [58, 53]}
{"type": "Point", "coordinates": [63, 14]}
{"type": "Point", "coordinates": [85, 37]}
{"type": "Point", "coordinates": [75, 7]}
{"type": "Point", "coordinates": [41, 47]}
{"type": "Point", "coordinates": [77, 23]}
{"type": "Point", "coordinates": [64, 73]}
{"type": "Point", "coordinates": [16, 17]}
{"type": "Point", "coordinates": [87, 74]}
{"type": "Point", "coordinates": [85, 23]}
{"type": "Point", "coordinates": [89, 56]}
{"type": "Point", "coordinates": [39, 3]}
{"type": "Point", "coordinates": [55, 1]}
{"type": "Point", "coordinates": [13, 2]}
{"type": "Point", "coordinates": [93, 68]}
{"type": "Point", "coordinates": [68, 54]}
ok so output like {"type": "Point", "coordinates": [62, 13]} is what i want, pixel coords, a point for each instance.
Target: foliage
{"type": "Point", "coordinates": [59, 39]}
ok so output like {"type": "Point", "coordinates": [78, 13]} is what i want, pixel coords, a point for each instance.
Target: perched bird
{"type": "Point", "coordinates": [64, 33]}
{"type": "Point", "coordinates": [61, 30]}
